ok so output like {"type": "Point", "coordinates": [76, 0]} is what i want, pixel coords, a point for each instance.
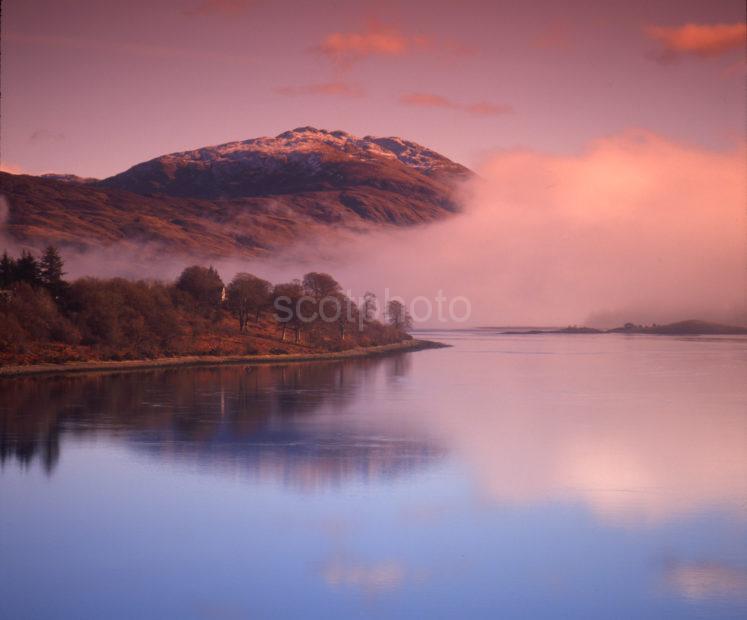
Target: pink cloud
{"type": "Point", "coordinates": [375, 40]}
{"type": "Point", "coordinates": [704, 40]}
{"type": "Point", "coordinates": [332, 89]}
{"type": "Point", "coordinates": [429, 100]}
{"type": "Point", "coordinates": [378, 39]}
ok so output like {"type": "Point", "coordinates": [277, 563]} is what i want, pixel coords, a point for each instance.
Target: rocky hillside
{"type": "Point", "coordinates": [249, 198]}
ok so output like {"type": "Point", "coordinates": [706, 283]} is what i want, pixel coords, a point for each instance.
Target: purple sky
{"type": "Point", "coordinates": [93, 87]}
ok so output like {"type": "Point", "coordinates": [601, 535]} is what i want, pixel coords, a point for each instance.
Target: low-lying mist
{"type": "Point", "coordinates": [635, 228]}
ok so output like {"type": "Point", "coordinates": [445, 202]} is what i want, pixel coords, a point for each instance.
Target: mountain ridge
{"type": "Point", "coordinates": [247, 197]}
{"type": "Point", "coordinates": [302, 159]}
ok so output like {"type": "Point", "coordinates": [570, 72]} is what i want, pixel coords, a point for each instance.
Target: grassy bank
{"type": "Point", "coordinates": [212, 360]}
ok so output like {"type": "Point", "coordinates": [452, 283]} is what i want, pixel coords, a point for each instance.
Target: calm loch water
{"type": "Point", "coordinates": [506, 477]}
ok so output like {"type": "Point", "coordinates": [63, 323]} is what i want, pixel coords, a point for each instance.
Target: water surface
{"type": "Point", "coordinates": [554, 476]}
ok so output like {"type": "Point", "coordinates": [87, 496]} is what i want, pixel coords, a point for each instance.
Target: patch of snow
{"type": "Point", "coordinates": [305, 146]}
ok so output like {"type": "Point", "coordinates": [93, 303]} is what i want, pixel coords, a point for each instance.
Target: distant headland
{"type": "Point", "coordinates": [691, 327]}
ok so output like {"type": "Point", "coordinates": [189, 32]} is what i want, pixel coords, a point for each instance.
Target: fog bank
{"type": "Point", "coordinates": [635, 228]}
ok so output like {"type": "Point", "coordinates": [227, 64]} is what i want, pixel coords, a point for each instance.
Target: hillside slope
{"type": "Point", "coordinates": [247, 198]}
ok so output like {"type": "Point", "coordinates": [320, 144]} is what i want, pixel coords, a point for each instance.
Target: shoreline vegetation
{"type": "Point", "coordinates": [215, 360]}
{"type": "Point", "coordinates": [46, 321]}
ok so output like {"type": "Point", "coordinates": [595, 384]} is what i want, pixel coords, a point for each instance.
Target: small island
{"type": "Point", "coordinates": [691, 327]}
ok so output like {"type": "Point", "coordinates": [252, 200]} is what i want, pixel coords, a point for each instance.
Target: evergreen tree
{"type": "Point", "coordinates": [7, 270]}
{"type": "Point", "coordinates": [51, 273]}
{"type": "Point", "coordinates": [51, 268]}
{"type": "Point", "coordinates": [27, 269]}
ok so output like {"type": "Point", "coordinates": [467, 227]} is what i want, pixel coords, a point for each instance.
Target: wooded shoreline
{"type": "Point", "coordinates": [50, 322]}
{"type": "Point", "coordinates": [213, 360]}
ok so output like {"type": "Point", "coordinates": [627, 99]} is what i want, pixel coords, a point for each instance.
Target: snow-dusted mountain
{"type": "Point", "coordinates": [308, 143]}
{"type": "Point", "coordinates": [250, 197]}
{"type": "Point", "coordinates": [304, 159]}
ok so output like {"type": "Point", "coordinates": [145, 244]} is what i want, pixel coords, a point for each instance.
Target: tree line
{"type": "Point", "coordinates": [197, 313]}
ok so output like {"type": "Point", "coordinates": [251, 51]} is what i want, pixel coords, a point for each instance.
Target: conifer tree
{"type": "Point", "coordinates": [51, 272]}
{"type": "Point", "coordinates": [7, 270]}
{"type": "Point", "coordinates": [27, 269]}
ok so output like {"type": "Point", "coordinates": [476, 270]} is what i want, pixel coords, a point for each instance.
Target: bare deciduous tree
{"type": "Point", "coordinates": [203, 284]}
{"type": "Point", "coordinates": [398, 316]}
{"type": "Point", "coordinates": [287, 302]}
{"type": "Point", "coordinates": [246, 296]}
{"type": "Point", "coordinates": [320, 285]}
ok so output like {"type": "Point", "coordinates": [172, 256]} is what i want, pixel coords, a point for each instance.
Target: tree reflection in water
{"type": "Point", "coordinates": [294, 421]}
